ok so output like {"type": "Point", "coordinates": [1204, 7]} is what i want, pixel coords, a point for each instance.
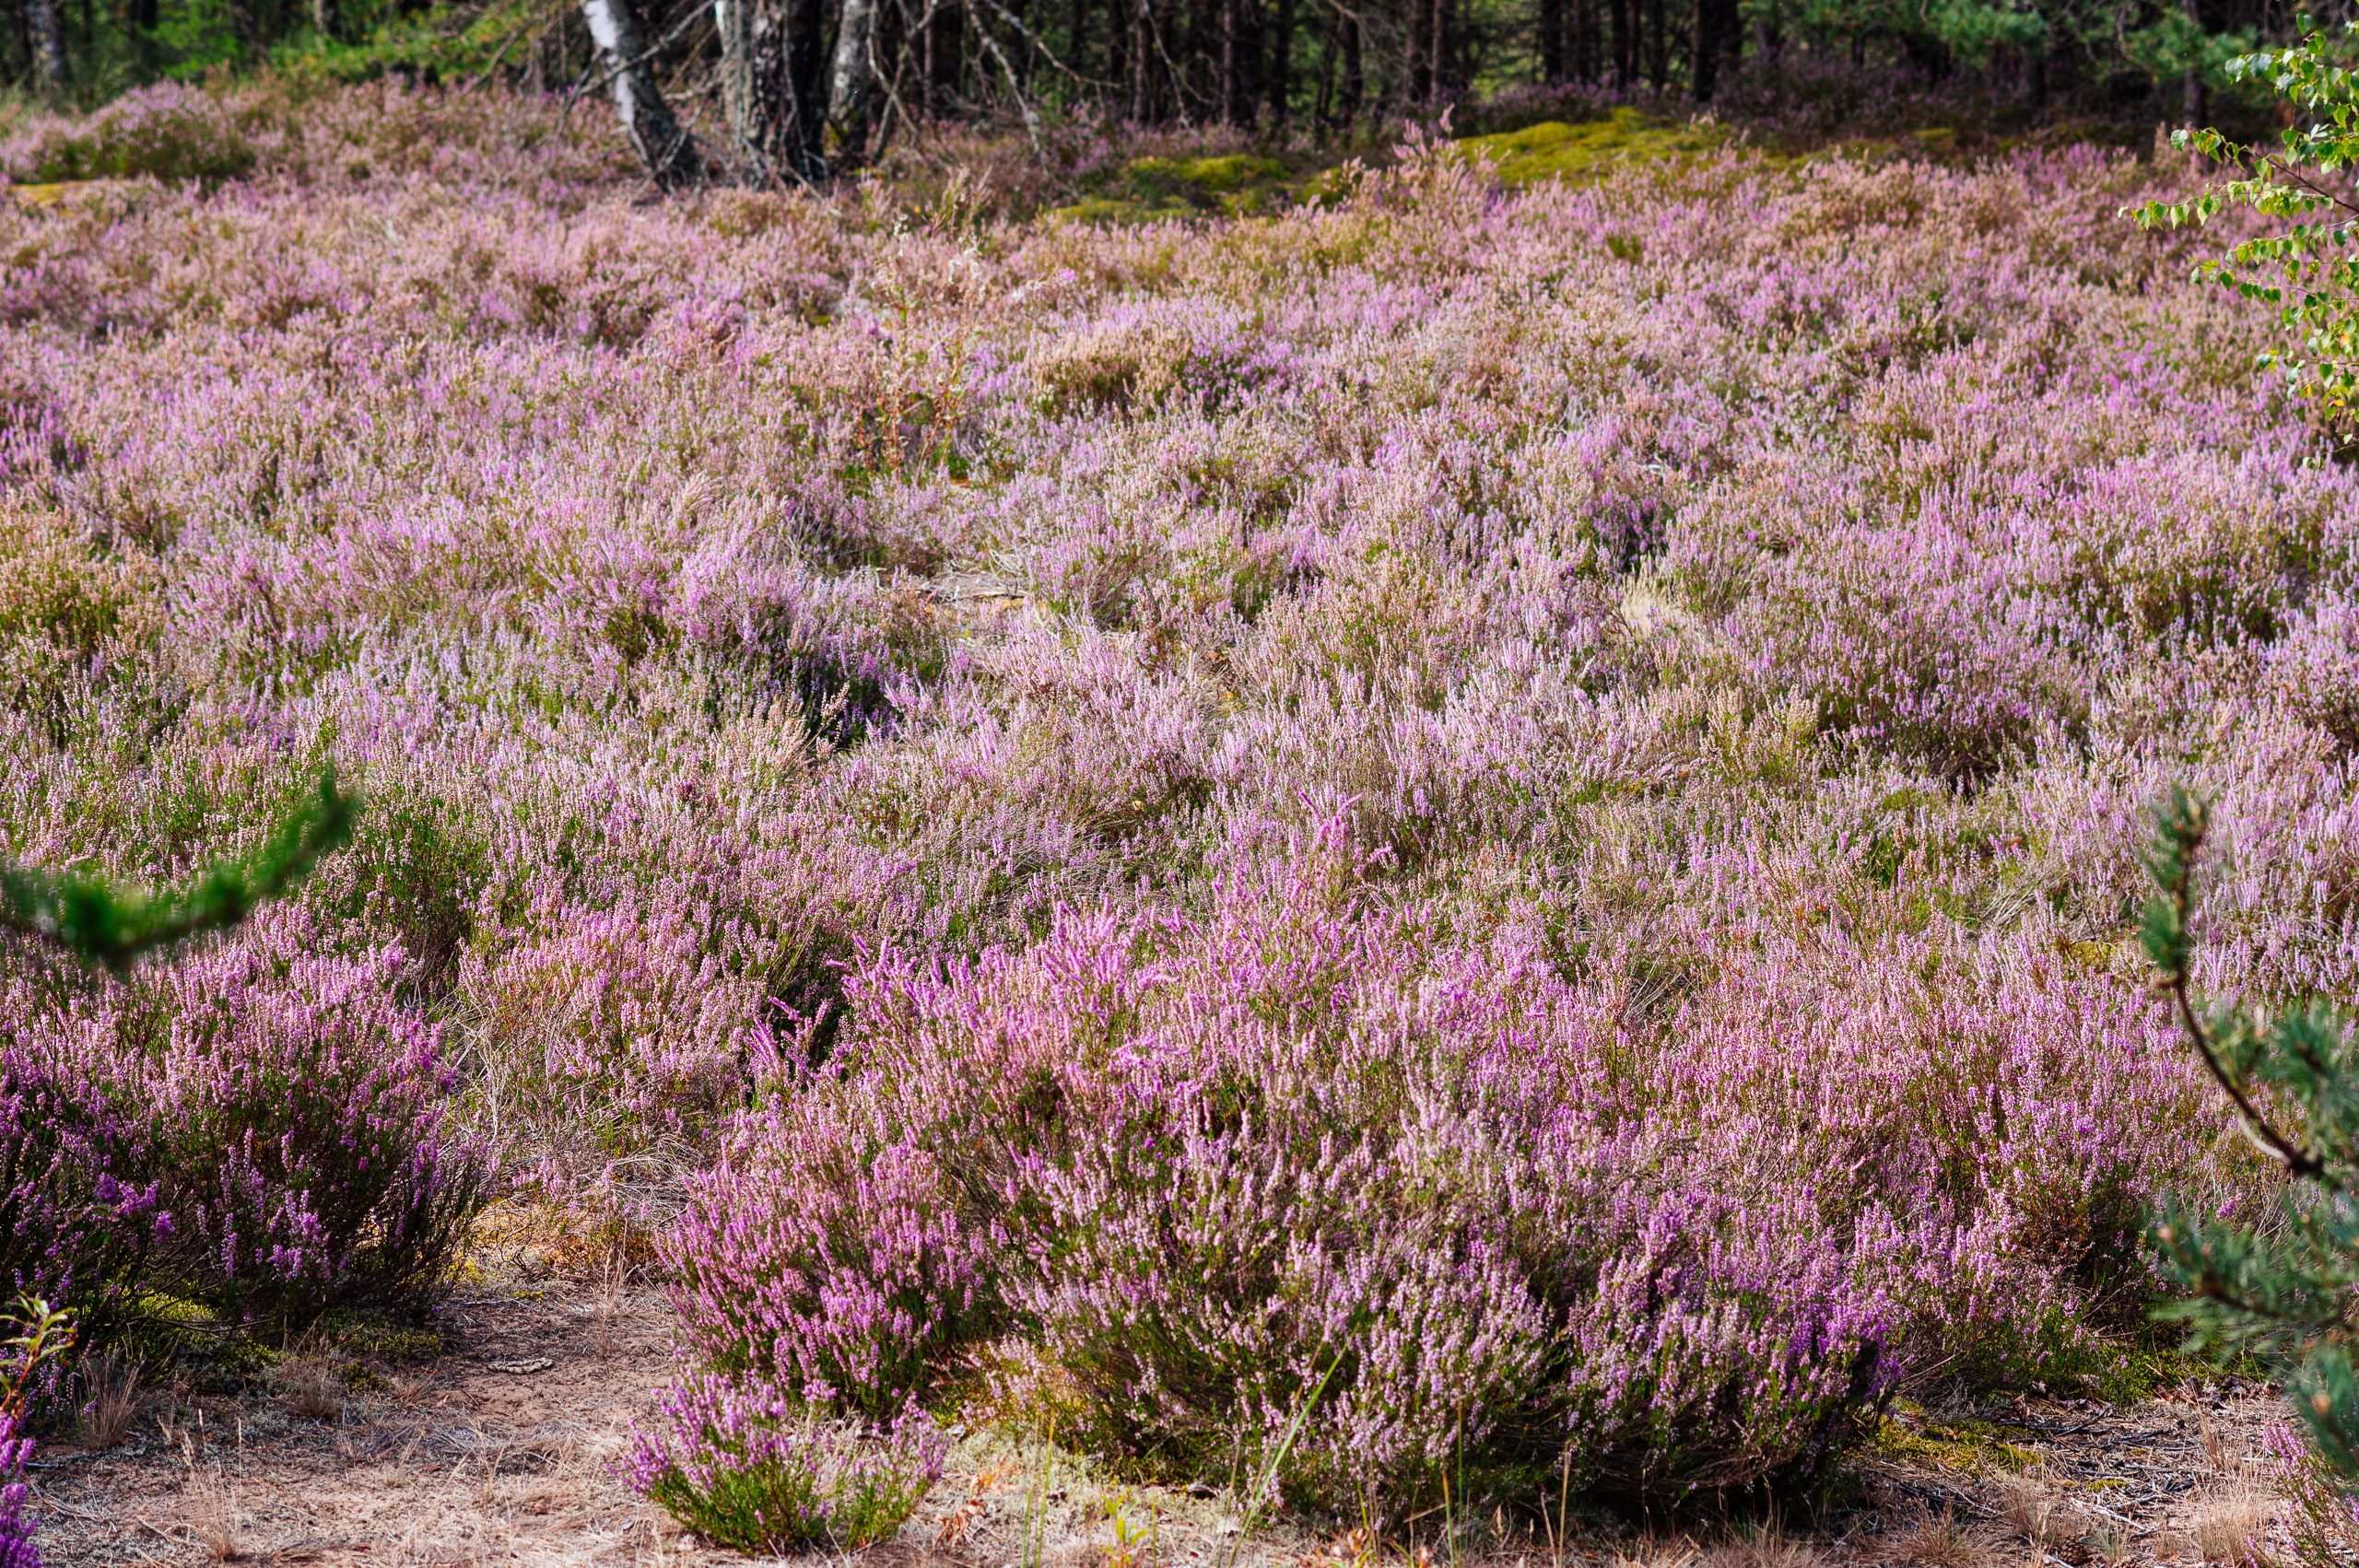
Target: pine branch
{"type": "Point", "coordinates": [100, 923]}
{"type": "Point", "coordinates": [2181, 824]}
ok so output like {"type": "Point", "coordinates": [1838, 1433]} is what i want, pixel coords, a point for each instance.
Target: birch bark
{"type": "Point", "coordinates": [668, 152]}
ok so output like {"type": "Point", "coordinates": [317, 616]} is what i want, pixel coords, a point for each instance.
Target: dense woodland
{"type": "Point", "coordinates": [816, 86]}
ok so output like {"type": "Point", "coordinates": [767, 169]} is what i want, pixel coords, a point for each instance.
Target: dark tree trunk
{"type": "Point", "coordinates": [1232, 47]}
{"type": "Point", "coordinates": [769, 88]}
{"type": "Point", "coordinates": [1278, 75]}
{"type": "Point", "coordinates": [1441, 46]}
{"type": "Point", "coordinates": [1717, 26]}
{"type": "Point", "coordinates": [1077, 38]}
{"type": "Point", "coordinates": [1552, 40]}
{"type": "Point", "coordinates": [1657, 47]}
{"type": "Point", "coordinates": [943, 53]}
{"type": "Point", "coordinates": [1584, 46]}
{"type": "Point", "coordinates": [852, 88]}
{"type": "Point", "coordinates": [888, 66]}
{"type": "Point", "coordinates": [1155, 78]}
{"type": "Point", "coordinates": [1626, 44]}
{"type": "Point", "coordinates": [1703, 75]}
{"type": "Point", "coordinates": [1322, 105]}
{"type": "Point", "coordinates": [46, 21]}
{"type": "Point", "coordinates": [1117, 54]}
{"type": "Point", "coordinates": [1421, 65]}
{"type": "Point", "coordinates": [1355, 78]}
{"type": "Point", "coordinates": [1142, 60]}
{"type": "Point", "coordinates": [666, 151]}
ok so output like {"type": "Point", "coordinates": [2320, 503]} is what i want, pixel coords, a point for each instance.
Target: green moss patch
{"type": "Point", "coordinates": [1554, 149]}
{"type": "Point", "coordinates": [1974, 1447]}
{"type": "Point", "coordinates": [1231, 185]}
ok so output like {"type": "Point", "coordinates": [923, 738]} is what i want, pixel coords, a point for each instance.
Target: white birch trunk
{"type": "Point", "coordinates": [668, 153]}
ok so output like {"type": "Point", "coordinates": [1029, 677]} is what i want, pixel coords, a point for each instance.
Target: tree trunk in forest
{"type": "Point", "coordinates": [1278, 78]}
{"type": "Point", "coordinates": [1322, 101]}
{"type": "Point", "coordinates": [323, 17]}
{"type": "Point", "coordinates": [46, 21]}
{"type": "Point", "coordinates": [1626, 51]}
{"type": "Point", "coordinates": [1142, 60]}
{"type": "Point", "coordinates": [667, 152]}
{"type": "Point", "coordinates": [1441, 47]}
{"type": "Point", "coordinates": [770, 88]}
{"type": "Point", "coordinates": [1117, 52]}
{"type": "Point", "coordinates": [853, 86]}
{"type": "Point", "coordinates": [1552, 40]}
{"type": "Point", "coordinates": [1354, 77]}
{"type": "Point", "coordinates": [943, 54]}
{"type": "Point", "coordinates": [1232, 93]}
{"type": "Point", "coordinates": [1717, 31]}
{"type": "Point", "coordinates": [1421, 66]}
{"type": "Point", "coordinates": [1703, 73]}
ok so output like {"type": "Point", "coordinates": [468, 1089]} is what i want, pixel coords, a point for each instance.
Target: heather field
{"type": "Point", "coordinates": [1412, 859]}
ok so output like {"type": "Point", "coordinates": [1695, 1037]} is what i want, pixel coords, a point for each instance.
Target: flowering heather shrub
{"type": "Point", "coordinates": [310, 1135]}
{"type": "Point", "coordinates": [16, 1548]}
{"type": "Point", "coordinates": [166, 132]}
{"type": "Point", "coordinates": [843, 681]}
{"type": "Point", "coordinates": [745, 1466]}
{"type": "Point", "coordinates": [1199, 1162]}
{"type": "Point", "coordinates": [263, 1133]}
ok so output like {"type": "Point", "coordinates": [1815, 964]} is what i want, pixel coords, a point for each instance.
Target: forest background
{"type": "Point", "coordinates": [842, 79]}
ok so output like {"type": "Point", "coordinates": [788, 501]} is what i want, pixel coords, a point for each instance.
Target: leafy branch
{"type": "Point", "coordinates": [2302, 271]}
{"type": "Point", "coordinates": [98, 922]}
{"type": "Point", "coordinates": [41, 1335]}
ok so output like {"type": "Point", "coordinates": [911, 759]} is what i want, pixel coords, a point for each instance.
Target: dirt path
{"type": "Point", "coordinates": [499, 1451]}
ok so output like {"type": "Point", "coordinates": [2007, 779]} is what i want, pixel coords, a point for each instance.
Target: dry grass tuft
{"type": "Point", "coordinates": [2029, 1508]}
{"type": "Point", "coordinates": [1942, 1540]}
{"type": "Point", "coordinates": [113, 1383]}
{"type": "Point", "coordinates": [1667, 1554]}
{"type": "Point", "coordinates": [209, 1500]}
{"type": "Point", "coordinates": [2231, 1527]}
{"type": "Point", "coordinates": [1763, 1546]}
{"type": "Point", "coordinates": [310, 1388]}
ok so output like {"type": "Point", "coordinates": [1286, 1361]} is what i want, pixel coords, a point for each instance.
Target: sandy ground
{"type": "Point", "coordinates": [499, 1451]}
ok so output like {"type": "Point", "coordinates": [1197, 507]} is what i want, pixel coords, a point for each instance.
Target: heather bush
{"type": "Point", "coordinates": [259, 1132]}
{"type": "Point", "coordinates": [1197, 1165]}
{"type": "Point", "coordinates": [41, 1335]}
{"type": "Point", "coordinates": [165, 132]}
{"type": "Point", "coordinates": [82, 1214]}
{"type": "Point", "coordinates": [312, 1156]}
{"type": "Point", "coordinates": [747, 1468]}
{"type": "Point", "coordinates": [16, 1548]}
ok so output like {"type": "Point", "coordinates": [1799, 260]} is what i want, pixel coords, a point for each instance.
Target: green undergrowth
{"type": "Point", "coordinates": [1966, 1443]}
{"type": "Point", "coordinates": [360, 1348]}
{"type": "Point", "coordinates": [1229, 185]}
{"type": "Point", "coordinates": [1554, 149]}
